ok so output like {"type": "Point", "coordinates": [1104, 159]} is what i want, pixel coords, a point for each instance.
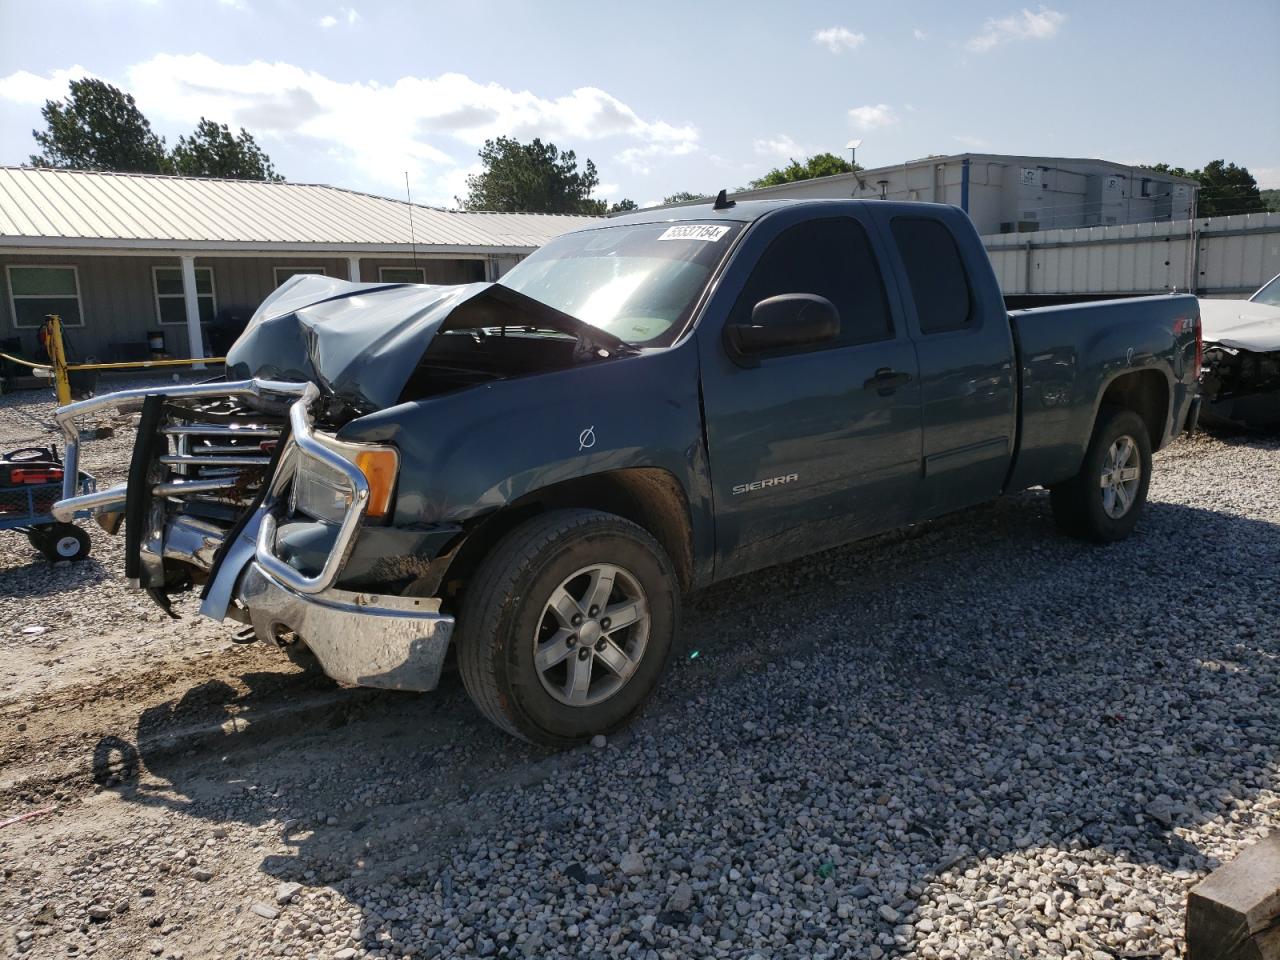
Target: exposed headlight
{"type": "Point", "coordinates": [325, 494]}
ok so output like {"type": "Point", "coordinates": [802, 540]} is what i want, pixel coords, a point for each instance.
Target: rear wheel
{"type": "Point", "coordinates": [567, 626]}
{"type": "Point", "coordinates": [1103, 501]}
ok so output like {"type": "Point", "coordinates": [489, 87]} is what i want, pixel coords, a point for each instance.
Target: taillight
{"type": "Point", "coordinates": [1180, 327]}
{"type": "Point", "coordinates": [35, 475]}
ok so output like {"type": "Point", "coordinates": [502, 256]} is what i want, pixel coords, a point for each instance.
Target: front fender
{"type": "Point", "coordinates": [471, 452]}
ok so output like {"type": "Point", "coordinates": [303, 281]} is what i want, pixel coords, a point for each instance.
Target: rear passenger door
{"type": "Point", "coordinates": [965, 346]}
{"type": "Point", "coordinates": [821, 445]}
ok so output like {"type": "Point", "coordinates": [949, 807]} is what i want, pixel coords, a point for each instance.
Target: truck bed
{"type": "Point", "coordinates": [1066, 358]}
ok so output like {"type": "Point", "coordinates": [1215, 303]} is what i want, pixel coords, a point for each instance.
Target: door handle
{"type": "Point", "coordinates": [886, 381]}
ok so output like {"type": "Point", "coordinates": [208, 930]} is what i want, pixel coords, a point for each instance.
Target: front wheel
{"type": "Point", "coordinates": [1103, 501]}
{"type": "Point", "coordinates": [567, 626]}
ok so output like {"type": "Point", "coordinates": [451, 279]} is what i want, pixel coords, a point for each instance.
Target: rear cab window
{"type": "Point", "coordinates": [936, 274]}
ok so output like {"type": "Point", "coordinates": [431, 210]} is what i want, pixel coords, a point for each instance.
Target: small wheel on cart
{"type": "Point", "coordinates": [60, 541]}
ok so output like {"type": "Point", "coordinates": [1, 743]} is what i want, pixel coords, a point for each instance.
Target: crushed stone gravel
{"type": "Point", "coordinates": [970, 739]}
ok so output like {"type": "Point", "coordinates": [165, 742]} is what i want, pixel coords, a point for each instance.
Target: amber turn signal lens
{"type": "Point", "coordinates": [379, 468]}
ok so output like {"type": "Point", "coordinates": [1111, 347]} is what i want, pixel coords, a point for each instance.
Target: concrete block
{"type": "Point", "coordinates": [1234, 913]}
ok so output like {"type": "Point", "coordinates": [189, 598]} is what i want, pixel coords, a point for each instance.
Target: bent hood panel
{"type": "Point", "coordinates": [1241, 324]}
{"type": "Point", "coordinates": [357, 341]}
{"type": "Point", "coordinates": [361, 342]}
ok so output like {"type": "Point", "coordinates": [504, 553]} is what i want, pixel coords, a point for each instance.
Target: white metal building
{"type": "Point", "coordinates": [1013, 194]}
{"type": "Point", "coordinates": [119, 255]}
{"type": "Point", "coordinates": [1213, 257]}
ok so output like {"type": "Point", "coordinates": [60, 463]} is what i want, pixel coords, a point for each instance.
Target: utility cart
{"type": "Point", "coordinates": [30, 484]}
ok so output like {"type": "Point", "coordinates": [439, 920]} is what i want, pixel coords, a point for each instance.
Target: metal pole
{"type": "Point", "coordinates": [194, 336]}
{"type": "Point", "coordinates": [61, 382]}
{"type": "Point", "coordinates": [1193, 254]}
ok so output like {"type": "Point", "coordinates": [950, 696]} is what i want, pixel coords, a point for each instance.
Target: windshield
{"type": "Point", "coordinates": [1269, 294]}
{"type": "Point", "coordinates": [639, 283]}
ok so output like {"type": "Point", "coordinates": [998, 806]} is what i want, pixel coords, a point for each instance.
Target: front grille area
{"type": "Point", "coordinates": [203, 462]}
{"type": "Point", "coordinates": [215, 456]}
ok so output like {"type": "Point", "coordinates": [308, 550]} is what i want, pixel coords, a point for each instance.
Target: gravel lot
{"type": "Point", "coordinates": [973, 739]}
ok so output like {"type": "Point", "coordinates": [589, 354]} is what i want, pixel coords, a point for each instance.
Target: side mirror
{"type": "Point", "coordinates": [785, 321]}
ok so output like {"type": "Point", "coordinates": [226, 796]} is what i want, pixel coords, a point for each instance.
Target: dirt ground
{"type": "Point", "coordinates": [177, 778]}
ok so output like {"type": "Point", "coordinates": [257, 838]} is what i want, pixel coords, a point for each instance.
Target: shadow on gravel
{"type": "Point", "coordinates": [39, 578]}
{"type": "Point", "coordinates": [859, 728]}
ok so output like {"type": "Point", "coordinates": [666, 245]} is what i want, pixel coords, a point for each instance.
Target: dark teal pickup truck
{"type": "Point", "coordinates": [534, 471]}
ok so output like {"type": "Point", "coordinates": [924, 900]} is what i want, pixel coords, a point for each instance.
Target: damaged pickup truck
{"type": "Point", "coordinates": [535, 471]}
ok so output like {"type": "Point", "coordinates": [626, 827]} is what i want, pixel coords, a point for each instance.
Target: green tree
{"type": "Point", "coordinates": [212, 151]}
{"type": "Point", "coordinates": [819, 165]}
{"type": "Point", "coordinates": [684, 196]}
{"type": "Point", "coordinates": [98, 127]}
{"type": "Point", "coordinates": [623, 205]}
{"type": "Point", "coordinates": [1225, 188]}
{"type": "Point", "coordinates": [1272, 199]}
{"type": "Point", "coordinates": [533, 177]}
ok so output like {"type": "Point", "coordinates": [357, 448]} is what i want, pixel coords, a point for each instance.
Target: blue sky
{"type": "Point", "coordinates": [663, 96]}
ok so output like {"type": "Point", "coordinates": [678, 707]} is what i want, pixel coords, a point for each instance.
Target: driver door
{"type": "Point", "coordinates": [819, 444]}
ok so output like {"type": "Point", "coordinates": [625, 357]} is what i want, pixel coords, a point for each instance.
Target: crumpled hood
{"type": "Point", "coordinates": [360, 342]}
{"type": "Point", "coordinates": [1241, 324]}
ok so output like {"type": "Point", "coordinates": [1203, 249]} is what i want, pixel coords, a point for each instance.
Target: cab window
{"type": "Point", "coordinates": [939, 283]}
{"type": "Point", "coordinates": [831, 258]}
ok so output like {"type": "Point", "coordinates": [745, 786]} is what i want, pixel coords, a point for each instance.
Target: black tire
{"type": "Point", "coordinates": [1080, 504]}
{"type": "Point", "coordinates": [504, 613]}
{"type": "Point", "coordinates": [60, 541]}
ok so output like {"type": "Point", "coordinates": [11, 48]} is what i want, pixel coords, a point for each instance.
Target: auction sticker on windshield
{"type": "Point", "coordinates": [694, 231]}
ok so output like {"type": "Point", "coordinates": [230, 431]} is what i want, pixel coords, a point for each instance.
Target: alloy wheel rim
{"type": "Point", "coordinates": [592, 635]}
{"type": "Point", "coordinates": [1121, 474]}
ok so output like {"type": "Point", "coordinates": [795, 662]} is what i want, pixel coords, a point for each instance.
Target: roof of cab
{"type": "Point", "coordinates": [745, 211]}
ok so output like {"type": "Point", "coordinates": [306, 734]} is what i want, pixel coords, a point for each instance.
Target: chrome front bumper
{"type": "Point", "coordinates": [363, 640]}
{"type": "Point", "coordinates": [360, 639]}
{"type": "Point", "coordinates": [175, 537]}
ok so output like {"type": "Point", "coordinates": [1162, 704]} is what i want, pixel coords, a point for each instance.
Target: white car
{"type": "Point", "coordinates": [1241, 373]}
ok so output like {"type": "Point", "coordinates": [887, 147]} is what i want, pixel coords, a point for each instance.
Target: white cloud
{"type": "Point", "coordinates": [873, 116]}
{"type": "Point", "coordinates": [24, 87]}
{"type": "Point", "coordinates": [1025, 25]}
{"type": "Point", "coordinates": [235, 4]}
{"type": "Point", "coordinates": [781, 147]}
{"type": "Point", "coordinates": [637, 159]}
{"type": "Point", "coordinates": [349, 14]}
{"type": "Point", "coordinates": [1268, 177]}
{"type": "Point", "coordinates": [919, 34]}
{"type": "Point", "coordinates": [428, 126]}
{"type": "Point", "coordinates": [839, 39]}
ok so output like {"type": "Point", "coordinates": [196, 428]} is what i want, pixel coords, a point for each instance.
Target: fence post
{"type": "Point", "coordinates": [192, 300]}
{"type": "Point", "coordinates": [58, 355]}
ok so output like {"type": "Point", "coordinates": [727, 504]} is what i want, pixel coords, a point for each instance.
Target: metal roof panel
{"type": "Point", "coordinates": [79, 205]}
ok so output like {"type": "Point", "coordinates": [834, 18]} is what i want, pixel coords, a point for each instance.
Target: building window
{"type": "Point", "coordinates": [171, 302]}
{"type": "Point", "coordinates": [35, 292]}
{"type": "Point", "coordinates": [402, 274]}
{"type": "Point", "coordinates": [284, 273]}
